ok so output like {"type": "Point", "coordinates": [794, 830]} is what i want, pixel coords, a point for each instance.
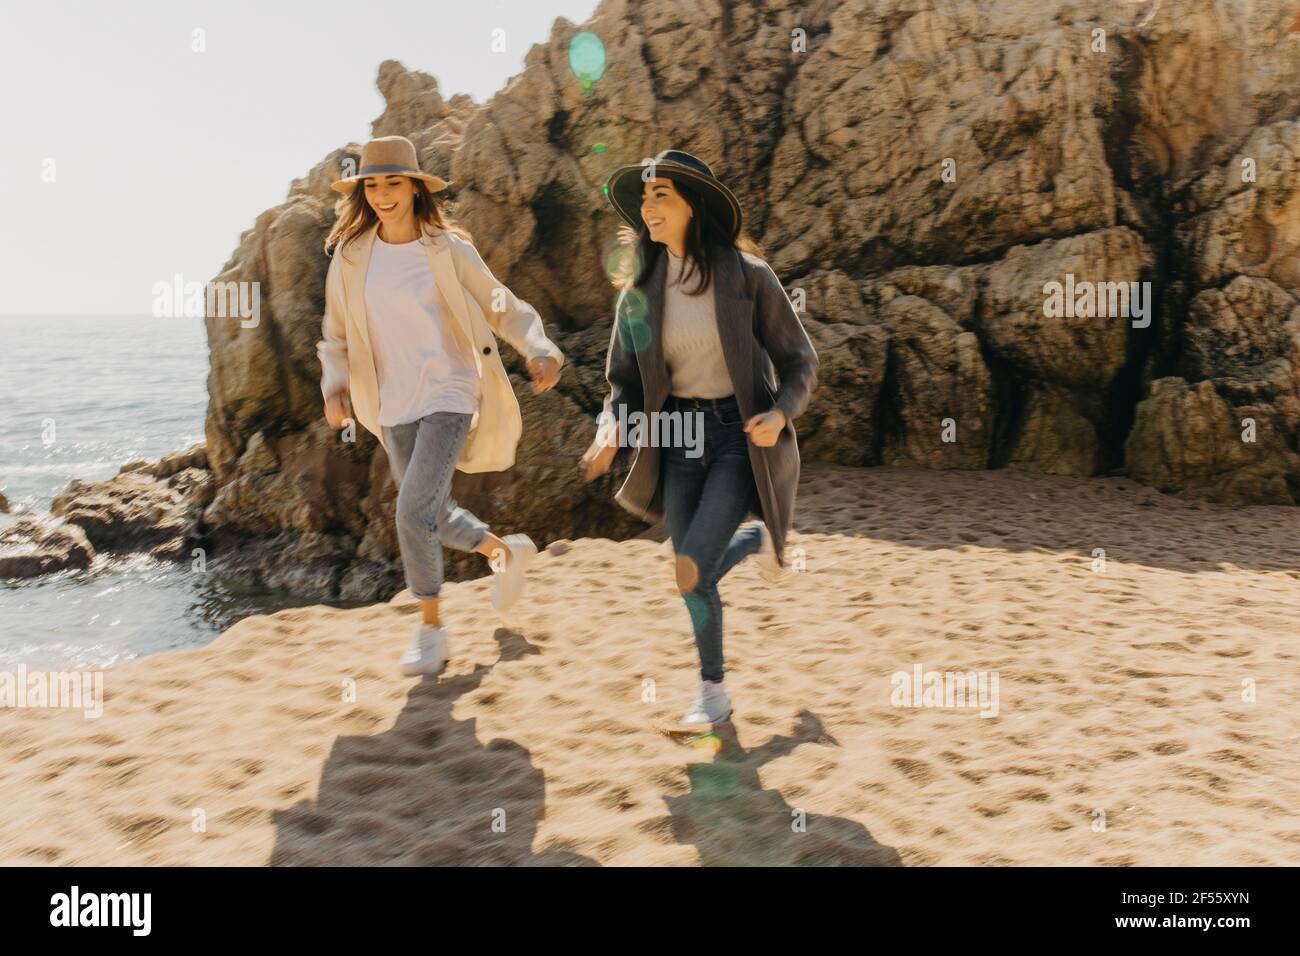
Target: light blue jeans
{"type": "Point", "coordinates": [423, 456]}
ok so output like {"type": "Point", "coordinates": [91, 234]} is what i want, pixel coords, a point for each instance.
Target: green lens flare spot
{"type": "Point", "coordinates": [635, 307]}
{"type": "Point", "coordinates": [634, 335]}
{"type": "Point", "coordinates": [621, 264]}
{"type": "Point", "coordinates": [587, 57]}
{"type": "Point", "coordinates": [633, 330]}
{"type": "Point", "coordinates": [713, 781]}
{"type": "Point", "coordinates": [699, 610]}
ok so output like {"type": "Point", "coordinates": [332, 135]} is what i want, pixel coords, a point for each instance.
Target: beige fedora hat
{"type": "Point", "coordinates": [389, 156]}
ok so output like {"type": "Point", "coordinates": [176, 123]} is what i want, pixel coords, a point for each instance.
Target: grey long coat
{"type": "Point", "coordinates": [769, 355]}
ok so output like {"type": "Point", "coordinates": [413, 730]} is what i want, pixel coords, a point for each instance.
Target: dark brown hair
{"type": "Point", "coordinates": [705, 238]}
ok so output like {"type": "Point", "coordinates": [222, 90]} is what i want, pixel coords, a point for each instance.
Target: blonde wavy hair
{"type": "Point", "coordinates": [357, 216]}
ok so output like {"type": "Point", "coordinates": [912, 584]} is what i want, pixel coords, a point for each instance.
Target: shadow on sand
{"type": "Point", "coordinates": [427, 792]}
{"type": "Point", "coordinates": [424, 793]}
{"type": "Point", "coordinates": [733, 821]}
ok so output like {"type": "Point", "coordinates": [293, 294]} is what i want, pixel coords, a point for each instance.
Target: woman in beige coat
{"type": "Point", "coordinates": [409, 351]}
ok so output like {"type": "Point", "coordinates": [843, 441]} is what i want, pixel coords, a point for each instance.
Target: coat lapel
{"type": "Point", "coordinates": [444, 274]}
{"type": "Point", "coordinates": [650, 359]}
{"type": "Point", "coordinates": [356, 262]}
{"type": "Point", "coordinates": [735, 315]}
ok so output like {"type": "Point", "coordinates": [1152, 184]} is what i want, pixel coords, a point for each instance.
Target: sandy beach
{"type": "Point", "coordinates": [1145, 714]}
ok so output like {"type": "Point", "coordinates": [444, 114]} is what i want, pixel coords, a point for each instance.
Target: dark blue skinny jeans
{"type": "Point", "coordinates": [706, 497]}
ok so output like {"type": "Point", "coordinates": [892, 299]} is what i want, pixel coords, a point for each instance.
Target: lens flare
{"type": "Point", "coordinates": [709, 743]}
{"type": "Point", "coordinates": [713, 781]}
{"type": "Point", "coordinates": [698, 609]}
{"type": "Point", "coordinates": [621, 263]}
{"type": "Point", "coordinates": [633, 330]}
{"type": "Point", "coordinates": [587, 58]}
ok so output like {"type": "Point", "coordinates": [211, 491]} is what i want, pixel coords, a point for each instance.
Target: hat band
{"type": "Point", "coordinates": [392, 168]}
{"type": "Point", "coordinates": [671, 164]}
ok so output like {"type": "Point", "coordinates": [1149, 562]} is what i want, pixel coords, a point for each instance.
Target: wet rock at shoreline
{"type": "Point", "coordinates": [32, 545]}
{"type": "Point", "coordinates": [151, 507]}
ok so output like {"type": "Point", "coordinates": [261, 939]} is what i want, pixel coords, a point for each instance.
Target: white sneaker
{"type": "Point", "coordinates": [712, 706]}
{"type": "Point", "coordinates": [428, 653]}
{"type": "Point", "coordinates": [508, 583]}
{"type": "Point", "coordinates": [768, 567]}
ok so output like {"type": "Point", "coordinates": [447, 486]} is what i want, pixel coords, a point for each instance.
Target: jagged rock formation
{"type": "Point", "coordinates": [916, 173]}
{"type": "Point", "coordinates": [32, 545]}
{"type": "Point", "coordinates": [152, 507]}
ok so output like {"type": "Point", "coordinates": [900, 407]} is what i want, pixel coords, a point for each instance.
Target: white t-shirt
{"type": "Point", "coordinates": [421, 364]}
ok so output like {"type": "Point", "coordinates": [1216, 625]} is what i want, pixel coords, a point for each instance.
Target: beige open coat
{"type": "Point", "coordinates": [480, 305]}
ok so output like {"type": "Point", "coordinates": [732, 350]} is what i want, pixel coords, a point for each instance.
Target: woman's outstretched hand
{"type": "Point", "coordinates": [597, 459]}
{"type": "Point", "coordinates": [545, 372]}
{"type": "Point", "coordinates": [338, 409]}
{"type": "Point", "coordinates": [764, 429]}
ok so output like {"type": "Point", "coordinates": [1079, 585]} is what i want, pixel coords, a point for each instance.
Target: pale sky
{"type": "Point", "coordinates": [162, 156]}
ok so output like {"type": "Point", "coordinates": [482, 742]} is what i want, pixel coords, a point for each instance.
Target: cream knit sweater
{"type": "Point", "coordinates": [692, 346]}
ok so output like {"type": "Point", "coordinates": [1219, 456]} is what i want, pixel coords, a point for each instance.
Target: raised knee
{"type": "Point", "coordinates": [688, 574]}
{"type": "Point", "coordinates": [408, 516]}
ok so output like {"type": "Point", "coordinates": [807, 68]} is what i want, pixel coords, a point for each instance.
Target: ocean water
{"type": "Point", "coordinates": [81, 396]}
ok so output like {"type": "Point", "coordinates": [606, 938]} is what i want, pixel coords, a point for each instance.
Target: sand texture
{"type": "Point", "coordinates": [1146, 712]}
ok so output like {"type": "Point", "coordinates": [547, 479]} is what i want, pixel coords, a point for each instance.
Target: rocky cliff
{"type": "Point", "coordinates": [918, 174]}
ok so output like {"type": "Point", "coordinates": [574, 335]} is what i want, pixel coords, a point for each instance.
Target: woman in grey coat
{"type": "Point", "coordinates": [708, 367]}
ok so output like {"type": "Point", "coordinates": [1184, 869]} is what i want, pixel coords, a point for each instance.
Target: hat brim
{"type": "Point", "coordinates": [349, 183]}
{"type": "Point", "coordinates": [624, 187]}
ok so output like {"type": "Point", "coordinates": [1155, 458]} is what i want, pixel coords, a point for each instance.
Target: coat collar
{"type": "Point", "coordinates": [357, 251]}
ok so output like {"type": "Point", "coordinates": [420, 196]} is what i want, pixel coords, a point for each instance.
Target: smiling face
{"type": "Point", "coordinates": [665, 211]}
{"type": "Point", "coordinates": [391, 197]}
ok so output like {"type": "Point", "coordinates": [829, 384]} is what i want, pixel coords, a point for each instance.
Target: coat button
{"type": "Point", "coordinates": [487, 350]}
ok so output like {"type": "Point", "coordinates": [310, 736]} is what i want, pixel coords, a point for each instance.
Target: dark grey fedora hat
{"type": "Point", "coordinates": [624, 186]}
